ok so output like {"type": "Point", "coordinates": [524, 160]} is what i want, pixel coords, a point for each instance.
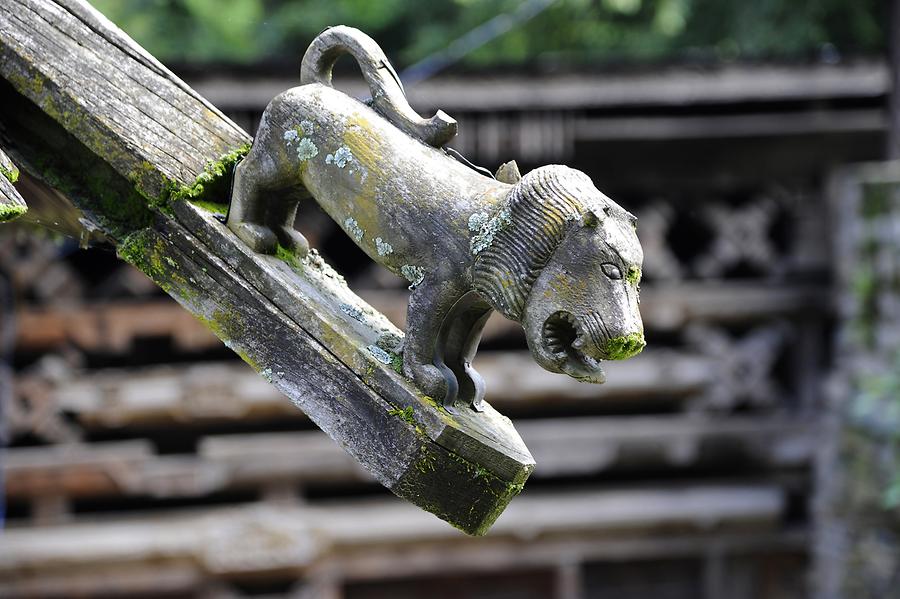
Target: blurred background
{"type": "Point", "coordinates": [751, 451]}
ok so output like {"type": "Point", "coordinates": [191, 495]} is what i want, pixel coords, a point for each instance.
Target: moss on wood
{"type": "Point", "coordinates": [12, 174]}
{"type": "Point", "coordinates": [211, 183]}
{"type": "Point", "coordinates": [10, 212]}
{"type": "Point", "coordinates": [429, 487]}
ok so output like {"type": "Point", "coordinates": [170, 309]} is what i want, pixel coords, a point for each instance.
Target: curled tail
{"type": "Point", "coordinates": [388, 96]}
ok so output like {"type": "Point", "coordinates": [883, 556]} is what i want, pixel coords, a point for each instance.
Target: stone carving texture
{"type": "Point", "coordinates": [547, 250]}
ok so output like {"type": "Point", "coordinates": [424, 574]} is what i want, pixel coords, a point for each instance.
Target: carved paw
{"type": "Point", "coordinates": [293, 240]}
{"type": "Point", "coordinates": [260, 239]}
{"type": "Point", "coordinates": [434, 382]}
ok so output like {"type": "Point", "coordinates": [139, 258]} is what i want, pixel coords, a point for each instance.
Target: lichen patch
{"type": "Point", "coordinates": [379, 354]}
{"type": "Point", "coordinates": [353, 312]}
{"type": "Point", "coordinates": [383, 247]}
{"type": "Point", "coordinates": [341, 157]}
{"type": "Point", "coordinates": [306, 149]}
{"type": "Point", "coordinates": [487, 228]}
{"type": "Point", "coordinates": [477, 220]}
{"type": "Point", "coordinates": [413, 274]}
{"type": "Point", "coordinates": [354, 229]}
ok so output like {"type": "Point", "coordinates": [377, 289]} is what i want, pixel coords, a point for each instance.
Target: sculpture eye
{"type": "Point", "coordinates": [612, 271]}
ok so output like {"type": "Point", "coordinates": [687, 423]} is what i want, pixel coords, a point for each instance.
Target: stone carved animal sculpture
{"type": "Point", "coordinates": [547, 250]}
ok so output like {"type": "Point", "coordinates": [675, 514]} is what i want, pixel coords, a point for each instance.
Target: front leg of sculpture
{"type": "Point", "coordinates": [458, 343]}
{"type": "Point", "coordinates": [430, 304]}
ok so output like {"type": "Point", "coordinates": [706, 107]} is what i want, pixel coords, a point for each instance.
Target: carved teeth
{"type": "Point", "coordinates": [562, 337]}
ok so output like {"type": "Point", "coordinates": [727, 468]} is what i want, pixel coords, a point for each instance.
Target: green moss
{"type": "Point", "coordinates": [484, 494]}
{"type": "Point", "coordinates": [85, 163]}
{"type": "Point", "coordinates": [397, 362]}
{"type": "Point", "coordinates": [287, 256]}
{"type": "Point", "coordinates": [620, 348]}
{"type": "Point", "coordinates": [211, 182]}
{"type": "Point", "coordinates": [31, 85]}
{"type": "Point", "coordinates": [75, 169]}
{"type": "Point", "coordinates": [147, 251]}
{"type": "Point", "coordinates": [11, 212]}
{"type": "Point", "coordinates": [214, 207]}
{"type": "Point", "coordinates": [136, 249]}
{"type": "Point", "coordinates": [12, 174]}
{"type": "Point", "coordinates": [633, 276]}
{"type": "Point", "coordinates": [104, 195]}
{"type": "Point", "coordinates": [427, 461]}
{"type": "Point", "coordinates": [405, 414]}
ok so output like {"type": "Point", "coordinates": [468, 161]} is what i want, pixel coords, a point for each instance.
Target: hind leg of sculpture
{"type": "Point", "coordinates": [429, 305]}
{"type": "Point", "coordinates": [281, 221]}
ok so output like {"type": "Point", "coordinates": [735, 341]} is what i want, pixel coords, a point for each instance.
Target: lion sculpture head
{"type": "Point", "coordinates": [567, 265]}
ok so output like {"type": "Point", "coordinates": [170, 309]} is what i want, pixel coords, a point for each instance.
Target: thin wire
{"type": "Point", "coordinates": [484, 33]}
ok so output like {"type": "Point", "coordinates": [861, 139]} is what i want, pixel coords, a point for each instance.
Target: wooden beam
{"type": "Point", "coordinates": [114, 326]}
{"type": "Point", "coordinates": [91, 113]}
{"type": "Point", "coordinates": [665, 87]}
{"type": "Point", "coordinates": [781, 124]}
{"type": "Point", "coordinates": [213, 392]}
{"type": "Point", "coordinates": [12, 205]}
{"type": "Point", "coordinates": [396, 561]}
{"type": "Point", "coordinates": [291, 538]}
{"type": "Point", "coordinates": [563, 447]}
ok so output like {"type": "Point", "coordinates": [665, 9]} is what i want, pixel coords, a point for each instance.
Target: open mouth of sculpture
{"type": "Point", "coordinates": [564, 339]}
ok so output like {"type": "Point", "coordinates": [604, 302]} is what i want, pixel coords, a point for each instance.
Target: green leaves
{"type": "Point", "coordinates": [568, 32]}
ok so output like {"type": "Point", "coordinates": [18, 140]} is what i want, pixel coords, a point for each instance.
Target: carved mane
{"type": "Point", "coordinates": [541, 207]}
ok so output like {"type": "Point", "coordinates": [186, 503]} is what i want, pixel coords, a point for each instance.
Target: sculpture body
{"type": "Point", "coordinates": [548, 250]}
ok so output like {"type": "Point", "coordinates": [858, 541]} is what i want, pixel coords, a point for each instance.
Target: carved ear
{"type": "Point", "coordinates": [508, 173]}
{"type": "Point", "coordinates": [590, 219]}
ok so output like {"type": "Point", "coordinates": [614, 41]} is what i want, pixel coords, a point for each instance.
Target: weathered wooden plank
{"type": "Point", "coordinates": [387, 562]}
{"type": "Point", "coordinates": [127, 142]}
{"type": "Point", "coordinates": [12, 205]}
{"type": "Point", "coordinates": [110, 94]}
{"type": "Point", "coordinates": [653, 128]}
{"type": "Point", "coordinates": [356, 333]}
{"type": "Point", "coordinates": [402, 439]}
{"type": "Point", "coordinates": [674, 86]}
{"type": "Point", "coordinates": [209, 392]}
{"type": "Point", "coordinates": [286, 536]}
{"type": "Point", "coordinates": [113, 326]}
{"type": "Point", "coordinates": [563, 447]}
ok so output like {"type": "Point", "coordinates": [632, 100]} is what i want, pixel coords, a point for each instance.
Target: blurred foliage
{"type": "Point", "coordinates": [576, 32]}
